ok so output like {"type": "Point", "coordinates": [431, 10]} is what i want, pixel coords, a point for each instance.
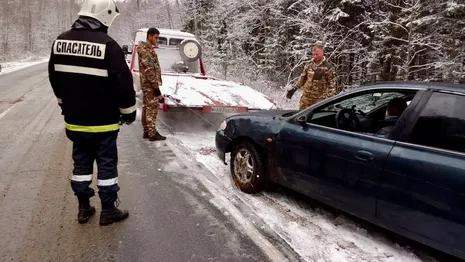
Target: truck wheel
{"type": "Point", "coordinates": [190, 50]}
{"type": "Point", "coordinates": [247, 169]}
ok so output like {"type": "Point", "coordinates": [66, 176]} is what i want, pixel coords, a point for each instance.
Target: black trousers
{"type": "Point", "coordinates": [101, 148]}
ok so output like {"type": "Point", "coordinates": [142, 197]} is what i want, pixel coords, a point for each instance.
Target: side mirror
{"type": "Point", "coordinates": [302, 119]}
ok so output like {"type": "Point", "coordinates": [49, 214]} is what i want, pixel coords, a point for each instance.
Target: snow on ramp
{"type": "Point", "coordinates": [196, 91]}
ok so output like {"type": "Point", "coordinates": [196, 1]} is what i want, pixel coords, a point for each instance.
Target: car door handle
{"type": "Point", "coordinates": [364, 155]}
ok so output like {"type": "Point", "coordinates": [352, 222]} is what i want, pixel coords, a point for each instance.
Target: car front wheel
{"type": "Point", "coordinates": [247, 168]}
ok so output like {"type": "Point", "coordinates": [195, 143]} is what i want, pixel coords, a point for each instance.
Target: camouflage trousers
{"type": "Point", "coordinates": [149, 112]}
{"type": "Point", "coordinates": [308, 100]}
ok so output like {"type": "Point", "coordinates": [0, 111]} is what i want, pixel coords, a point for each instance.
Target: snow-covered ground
{"type": "Point", "coordinates": [9, 67]}
{"type": "Point", "coordinates": [313, 233]}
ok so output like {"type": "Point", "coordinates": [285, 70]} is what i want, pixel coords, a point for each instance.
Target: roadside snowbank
{"type": "Point", "coordinates": [9, 67]}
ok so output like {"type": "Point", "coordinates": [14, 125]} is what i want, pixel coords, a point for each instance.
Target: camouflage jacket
{"type": "Point", "coordinates": [318, 80]}
{"type": "Point", "coordinates": [149, 67]}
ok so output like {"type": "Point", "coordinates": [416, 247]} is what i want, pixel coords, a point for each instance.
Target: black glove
{"type": "Point", "coordinates": [157, 92]}
{"type": "Point", "coordinates": [127, 118]}
{"type": "Point", "coordinates": [122, 122]}
{"type": "Point", "coordinates": [291, 92]}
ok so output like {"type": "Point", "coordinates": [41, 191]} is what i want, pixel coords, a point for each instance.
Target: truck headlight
{"type": "Point", "coordinates": [222, 126]}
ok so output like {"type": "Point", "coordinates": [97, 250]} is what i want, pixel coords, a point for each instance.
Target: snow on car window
{"type": "Point", "coordinates": [365, 103]}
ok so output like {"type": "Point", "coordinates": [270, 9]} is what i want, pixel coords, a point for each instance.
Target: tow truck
{"type": "Point", "coordinates": [185, 83]}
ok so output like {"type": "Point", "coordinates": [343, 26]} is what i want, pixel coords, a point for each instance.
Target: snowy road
{"type": "Point", "coordinates": [172, 216]}
{"type": "Point", "coordinates": [182, 203]}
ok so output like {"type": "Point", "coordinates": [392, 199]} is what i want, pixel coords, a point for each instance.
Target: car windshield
{"type": "Point", "coordinates": [171, 62]}
{"type": "Point", "coordinates": [364, 103]}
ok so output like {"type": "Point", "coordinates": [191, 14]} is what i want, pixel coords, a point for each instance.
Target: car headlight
{"type": "Point", "coordinates": [222, 126]}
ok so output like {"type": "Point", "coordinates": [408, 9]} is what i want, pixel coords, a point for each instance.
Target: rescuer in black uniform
{"type": "Point", "coordinates": [94, 88]}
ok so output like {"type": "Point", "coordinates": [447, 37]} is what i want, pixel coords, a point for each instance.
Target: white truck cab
{"type": "Point", "coordinates": [168, 37]}
{"type": "Point", "coordinates": [174, 48]}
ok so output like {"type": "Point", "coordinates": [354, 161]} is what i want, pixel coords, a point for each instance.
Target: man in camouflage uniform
{"type": "Point", "coordinates": [318, 80]}
{"type": "Point", "coordinates": [150, 82]}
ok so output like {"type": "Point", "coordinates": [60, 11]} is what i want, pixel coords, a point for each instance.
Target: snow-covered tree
{"type": "Point", "coordinates": [271, 40]}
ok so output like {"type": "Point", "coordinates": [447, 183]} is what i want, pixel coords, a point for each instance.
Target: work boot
{"type": "Point", "coordinates": [85, 210]}
{"type": "Point", "coordinates": [111, 214]}
{"type": "Point", "coordinates": [145, 135]}
{"type": "Point", "coordinates": [157, 137]}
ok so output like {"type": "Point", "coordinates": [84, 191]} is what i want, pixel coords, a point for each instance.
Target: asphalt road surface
{"type": "Point", "coordinates": [172, 216]}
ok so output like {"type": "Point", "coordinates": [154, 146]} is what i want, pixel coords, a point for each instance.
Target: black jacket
{"type": "Point", "coordinates": [91, 80]}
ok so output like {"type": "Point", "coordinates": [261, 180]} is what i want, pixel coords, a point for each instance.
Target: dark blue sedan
{"type": "Point", "coordinates": [392, 154]}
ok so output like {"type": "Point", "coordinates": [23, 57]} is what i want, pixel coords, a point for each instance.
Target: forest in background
{"type": "Point", "coordinates": [29, 27]}
{"type": "Point", "coordinates": [268, 41]}
{"type": "Point", "coordinates": [366, 40]}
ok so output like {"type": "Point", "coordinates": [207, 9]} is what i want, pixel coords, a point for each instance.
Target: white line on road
{"type": "Point", "coordinates": [6, 111]}
{"type": "Point", "coordinates": [266, 246]}
{"type": "Point", "coordinates": [22, 97]}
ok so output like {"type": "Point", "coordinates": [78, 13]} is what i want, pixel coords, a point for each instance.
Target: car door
{"type": "Point", "coordinates": [293, 157]}
{"type": "Point", "coordinates": [347, 166]}
{"type": "Point", "coordinates": [342, 167]}
{"type": "Point", "coordinates": [422, 190]}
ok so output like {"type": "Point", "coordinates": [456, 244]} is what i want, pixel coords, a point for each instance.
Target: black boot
{"type": "Point", "coordinates": [157, 137]}
{"type": "Point", "coordinates": [85, 210]}
{"type": "Point", "coordinates": [111, 214]}
{"type": "Point", "coordinates": [145, 135]}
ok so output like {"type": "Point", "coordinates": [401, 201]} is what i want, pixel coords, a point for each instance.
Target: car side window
{"type": "Point", "coordinates": [175, 41]}
{"type": "Point", "coordinates": [365, 102]}
{"type": "Point", "coordinates": [162, 41]}
{"type": "Point", "coordinates": [441, 124]}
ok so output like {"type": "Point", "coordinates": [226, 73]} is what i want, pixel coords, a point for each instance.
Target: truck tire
{"type": "Point", "coordinates": [190, 50]}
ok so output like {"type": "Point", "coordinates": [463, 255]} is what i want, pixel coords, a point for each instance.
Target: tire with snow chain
{"type": "Point", "coordinates": [247, 170]}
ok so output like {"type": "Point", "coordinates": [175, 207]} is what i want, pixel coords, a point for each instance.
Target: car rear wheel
{"type": "Point", "coordinates": [247, 168]}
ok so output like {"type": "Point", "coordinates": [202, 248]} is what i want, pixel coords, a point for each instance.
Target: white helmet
{"type": "Point", "coordinates": [104, 11]}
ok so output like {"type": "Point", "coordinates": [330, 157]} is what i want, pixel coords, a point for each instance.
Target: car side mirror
{"type": "Point", "coordinates": [302, 119]}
